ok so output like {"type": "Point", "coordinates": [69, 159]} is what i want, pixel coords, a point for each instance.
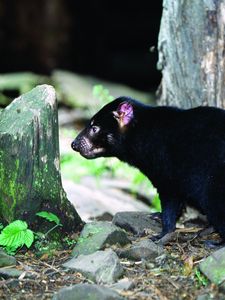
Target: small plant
{"type": "Point", "coordinates": [49, 216]}
{"type": "Point", "coordinates": [42, 244]}
{"type": "Point", "coordinates": [16, 235]}
{"type": "Point", "coordinates": [201, 279]}
{"type": "Point", "coordinates": [69, 241]}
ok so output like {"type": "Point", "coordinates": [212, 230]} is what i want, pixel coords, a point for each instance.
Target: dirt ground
{"type": "Point", "coordinates": [174, 275]}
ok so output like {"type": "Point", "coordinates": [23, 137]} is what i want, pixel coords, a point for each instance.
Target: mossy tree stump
{"type": "Point", "coordinates": [30, 179]}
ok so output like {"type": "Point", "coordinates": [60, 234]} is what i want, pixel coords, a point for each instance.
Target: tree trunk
{"type": "Point", "coordinates": [30, 179]}
{"type": "Point", "coordinates": [191, 53]}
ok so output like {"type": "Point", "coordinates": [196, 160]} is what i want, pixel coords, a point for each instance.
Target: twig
{"type": "Point", "coordinates": [52, 267]}
{"type": "Point", "coordinates": [172, 282]}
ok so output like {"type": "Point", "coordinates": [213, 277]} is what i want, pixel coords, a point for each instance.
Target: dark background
{"type": "Point", "coordinates": [107, 39]}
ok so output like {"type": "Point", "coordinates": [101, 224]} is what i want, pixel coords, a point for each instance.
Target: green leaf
{"type": "Point", "coordinates": [201, 278]}
{"type": "Point", "coordinates": [28, 238]}
{"type": "Point", "coordinates": [15, 235]}
{"type": "Point", "coordinates": [48, 216]}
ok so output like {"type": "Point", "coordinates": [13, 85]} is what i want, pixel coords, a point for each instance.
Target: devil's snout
{"type": "Point", "coordinates": [74, 146]}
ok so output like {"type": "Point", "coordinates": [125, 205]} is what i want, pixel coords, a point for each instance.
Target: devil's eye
{"type": "Point", "coordinates": [94, 129]}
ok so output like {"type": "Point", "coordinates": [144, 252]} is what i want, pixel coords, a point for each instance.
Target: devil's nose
{"type": "Point", "coordinates": [74, 146]}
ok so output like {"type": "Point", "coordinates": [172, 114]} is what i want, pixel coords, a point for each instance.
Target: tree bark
{"type": "Point", "coordinates": [191, 53]}
{"type": "Point", "coordinates": [30, 179]}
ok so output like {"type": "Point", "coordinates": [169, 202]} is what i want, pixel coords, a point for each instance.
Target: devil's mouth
{"type": "Point", "coordinates": [92, 153]}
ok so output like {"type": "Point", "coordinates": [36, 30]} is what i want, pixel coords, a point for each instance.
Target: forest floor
{"type": "Point", "coordinates": [174, 275]}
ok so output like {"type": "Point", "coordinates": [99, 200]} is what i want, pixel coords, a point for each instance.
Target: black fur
{"type": "Point", "coordinates": [182, 152]}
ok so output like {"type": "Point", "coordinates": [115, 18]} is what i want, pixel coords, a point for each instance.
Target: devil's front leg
{"type": "Point", "coordinates": [171, 211]}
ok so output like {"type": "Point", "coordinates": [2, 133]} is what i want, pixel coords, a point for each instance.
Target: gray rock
{"type": "Point", "coordinates": [210, 296]}
{"type": "Point", "coordinates": [6, 260]}
{"type": "Point", "coordinates": [100, 267]}
{"type": "Point", "coordinates": [97, 235]}
{"type": "Point", "coordinates": [123, 284]}
{"type": "Point", "coordinates": [15, 273]}
{"type": "Point", "coordinates": [213, 266]}
{"type": "Point", "coordinates": [137, 222]}
{"type": "Point", "coordinates": [10, 273]}
{"type": "Point", "coordinates": [204, 297]}
{"type": "Point", "coordinates": [93, 199]}
{"type": "Point", "coordinates": [145, 249]}
{"type": "Point", "coordinates": [87, 292]}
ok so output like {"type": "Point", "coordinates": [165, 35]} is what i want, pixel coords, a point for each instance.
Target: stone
{"type": "Point", "coordinates": [213, 266]}
{"type": "Point", "coordinates": [85, 291]}
{"type": "Point", "coordinates": [15, 273]}
{"type": "Point", "coordinates": [123, 284]}
{"type": "Point", "coordinates": [204, 297]}
{"type": "Point", "coordinates": [91, 201]}
{"type": "Point", "coordinates": [6, 260]}
{"type": "Point", "coordinates": [10, 273]}
{"type": "Point", "coordinates": [97, 235]}
{"type": "Point", "coordinates": [100, 267]}
{"type": "Point", "coordinates": [145, 249]}
{"type": "Point", "coordinates": [137, 222]}
{"type": "Point", "coordinates": [106, 216]}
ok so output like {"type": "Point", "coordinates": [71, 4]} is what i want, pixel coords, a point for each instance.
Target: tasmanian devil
{"type": "Point", "coordinates": [181, 151]}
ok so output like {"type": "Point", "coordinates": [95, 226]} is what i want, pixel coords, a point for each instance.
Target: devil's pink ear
{"type": "Point", "coordinates": [124, 113]}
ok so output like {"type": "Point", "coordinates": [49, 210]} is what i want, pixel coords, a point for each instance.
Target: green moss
{"type": "Point", "coordinates": [92, 231]}
{"type": "Point", "coordinates": [12, 191]}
